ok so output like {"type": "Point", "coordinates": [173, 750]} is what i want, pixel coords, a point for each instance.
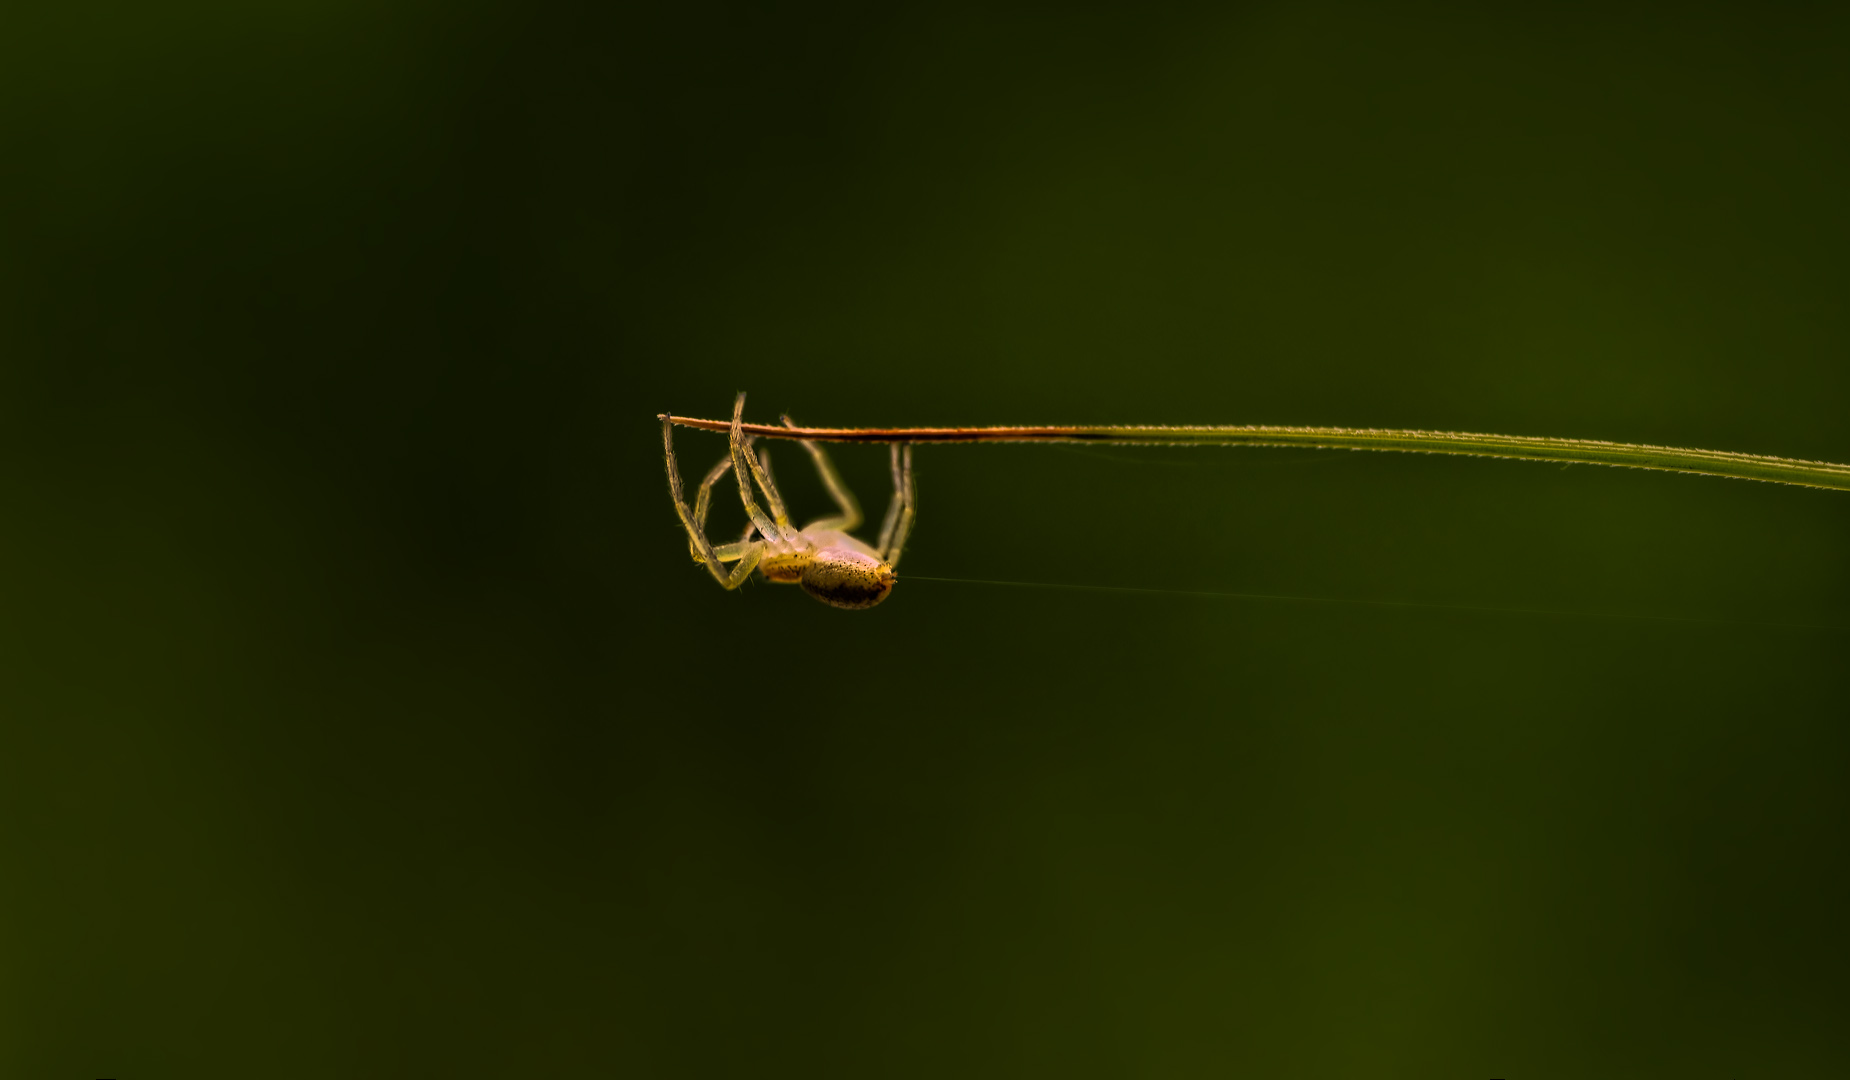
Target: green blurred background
{"type": "Point", "coordinates": [364, 716]}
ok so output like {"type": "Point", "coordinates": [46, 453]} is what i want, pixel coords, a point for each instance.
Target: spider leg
{"type": "Point", "coordinates": [748, 561]}
{"type": "Point", "coordinates": [761, 459]}
{"type": "Point", "coordinates": [729, 552]}
{"type": "Point", "coordinates": [850, 515]}
{"type": "Point", "coordinates": [704, 502]}
{"type": "Point", "coordinates": [902, 509]}
{"type": "Point", "coordinates": [748, 554]}
{"type": "Point", "coordinates": [745, 466]}
{"type": "Point", "coordinates": [891, 521]}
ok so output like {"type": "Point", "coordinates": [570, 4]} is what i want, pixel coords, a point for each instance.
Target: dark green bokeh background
{"type": "Point", "coordinates": [363, 715]}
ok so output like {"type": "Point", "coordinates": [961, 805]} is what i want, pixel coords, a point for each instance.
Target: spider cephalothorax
{"type": "Point", "coordinates": [822, 557]}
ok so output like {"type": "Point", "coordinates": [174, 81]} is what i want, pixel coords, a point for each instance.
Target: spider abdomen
{"type": "Point", "coordinates": [844, 578]}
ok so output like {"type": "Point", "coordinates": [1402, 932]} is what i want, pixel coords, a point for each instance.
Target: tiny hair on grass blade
{"type": "Point", "coordinates": [1777, 470]}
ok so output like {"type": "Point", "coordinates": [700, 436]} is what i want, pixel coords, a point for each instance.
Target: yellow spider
{"type": "Point", "coordinates": [829, 564]}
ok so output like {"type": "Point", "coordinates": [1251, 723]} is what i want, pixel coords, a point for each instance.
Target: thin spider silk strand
{"type": "Point", "coordinates": [1216, 594]}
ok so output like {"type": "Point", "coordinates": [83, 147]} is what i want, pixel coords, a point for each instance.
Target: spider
{"type": "Point", "coordinates": [829, 564]}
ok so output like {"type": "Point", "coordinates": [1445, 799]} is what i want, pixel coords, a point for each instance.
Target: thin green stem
{"type": "Point", "coordinates": [1776, 470]}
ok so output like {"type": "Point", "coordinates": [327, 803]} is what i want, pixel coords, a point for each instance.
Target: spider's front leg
{"type": "Point", "coordinates": [703, 502]}
{"type": "Point", "coordinates": [776, 525]}
{"type": "Point", "coordinates": [746, 552]}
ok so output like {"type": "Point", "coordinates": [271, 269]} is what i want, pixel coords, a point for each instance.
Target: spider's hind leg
{"type": "Point", "coordinates": [903, 507]}
{"type": "Point", "coordinates": [850, 515]}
